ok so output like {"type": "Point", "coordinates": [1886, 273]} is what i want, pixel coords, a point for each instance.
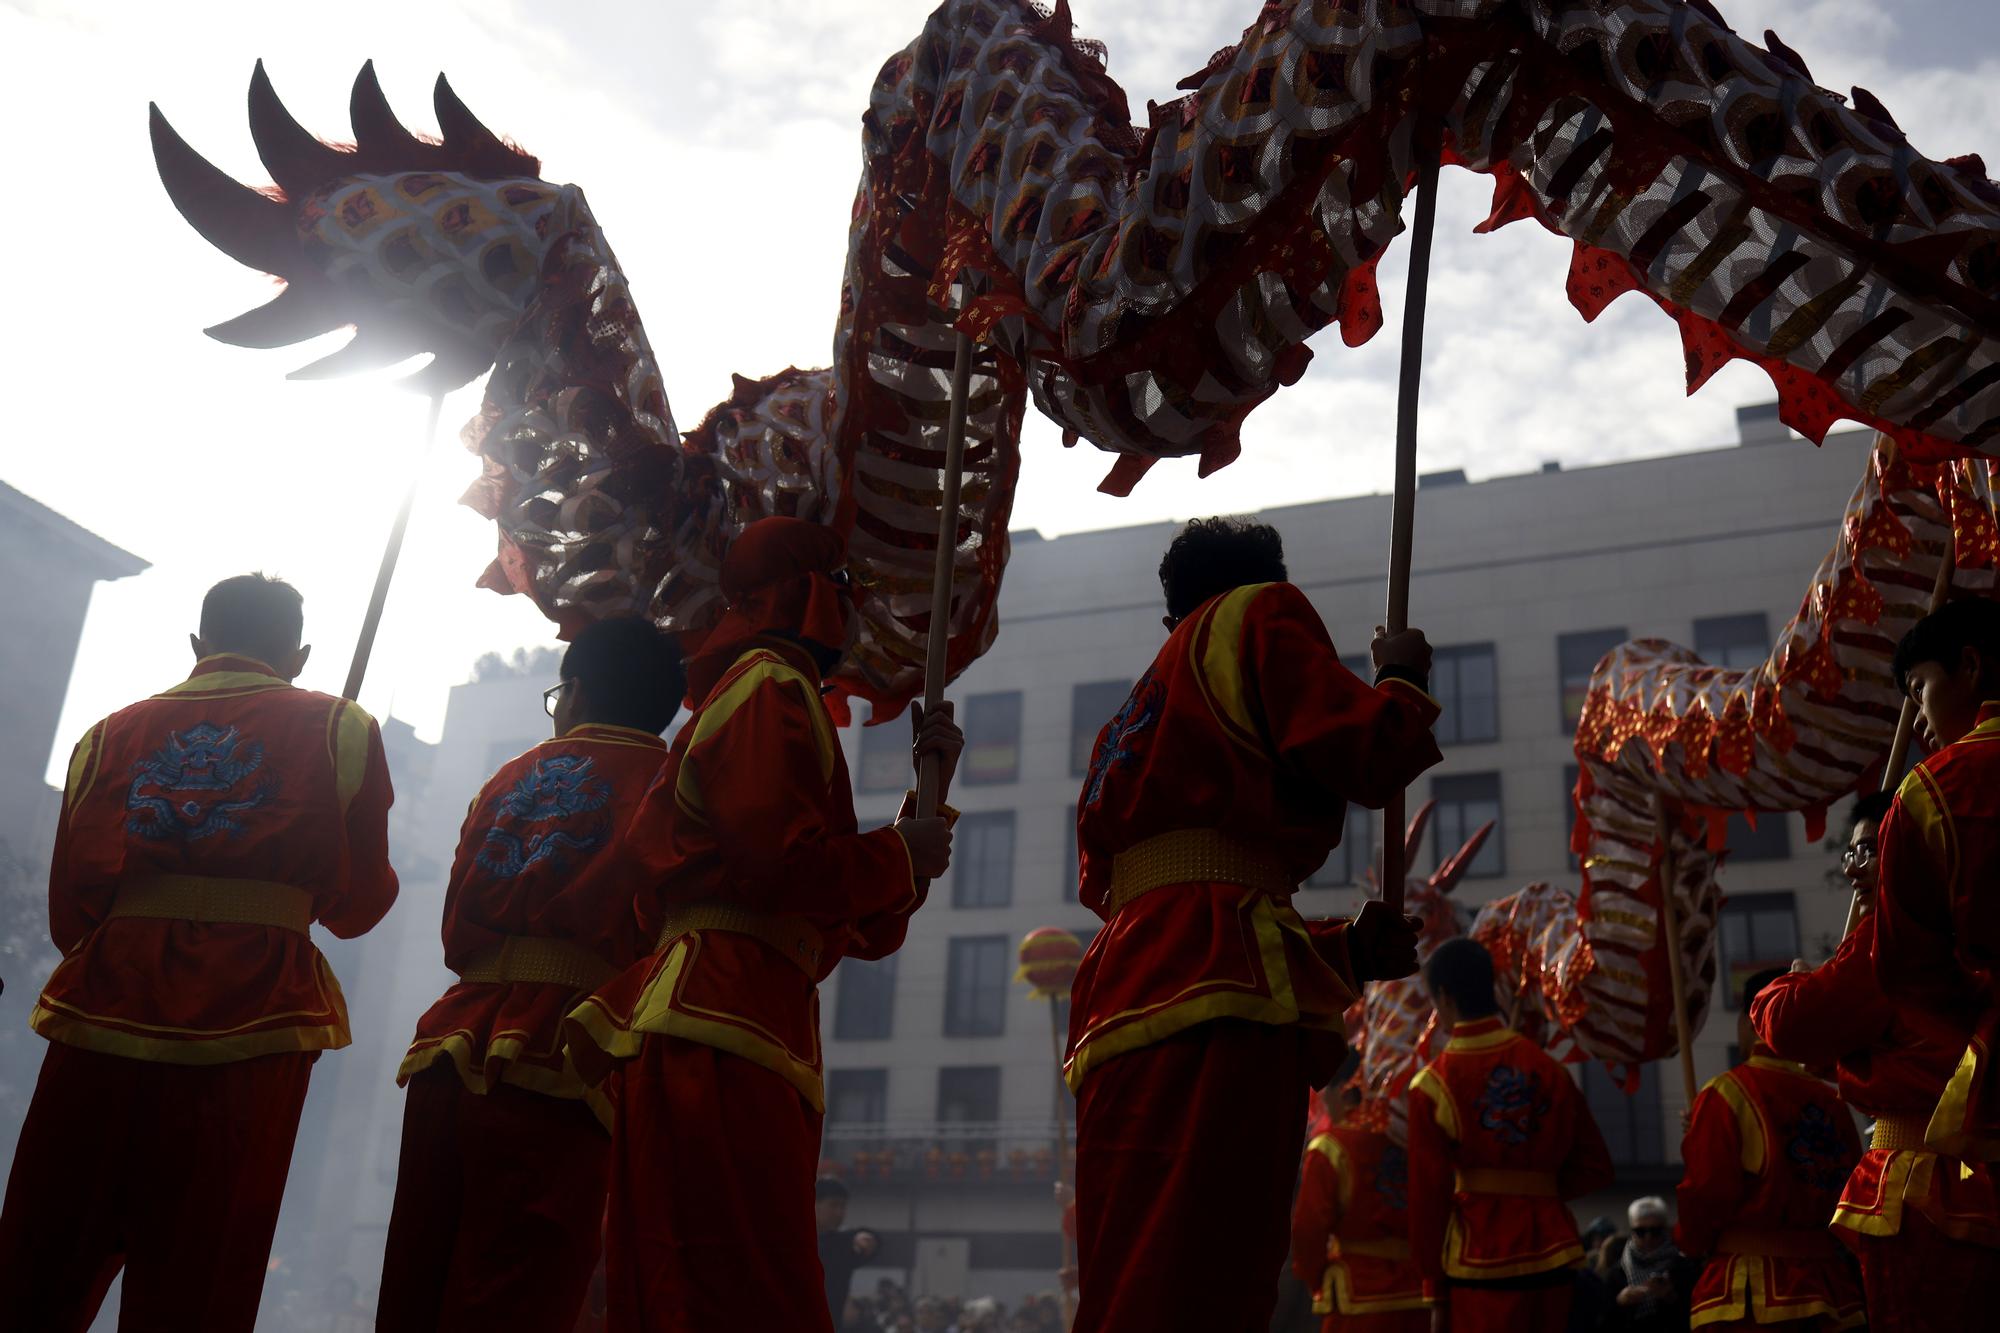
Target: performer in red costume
{"type": "Point", "coordinates": [1767, 1150]}
{"type": "Point", "coordinates": [1924, 1225]}
{"type": "Point", "coordinates": [1351, 1229]}
{"type": "Point", "coordinates": [1938, 937]}
{"type": "Point", "coordinates": [1500, 1139]}
{"type": "Point", "coordinates": [202, 831]}
{"type": "Point", "coordinates": [1206, 1008]}
{"type": "Point", "coordinates": [756, 885]}
{"type": "Point", "coordinates": [500, 1196]}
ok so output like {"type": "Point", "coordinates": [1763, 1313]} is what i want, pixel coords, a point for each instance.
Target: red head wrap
{"type": "Point", "coordinates": [776, 577]}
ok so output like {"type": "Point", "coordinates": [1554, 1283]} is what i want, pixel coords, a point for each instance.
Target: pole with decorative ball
{"type": "Point", "coordinates": [1049, 957]}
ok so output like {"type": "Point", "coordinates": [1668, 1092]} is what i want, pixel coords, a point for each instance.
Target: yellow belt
{"type": "Point", "coordinates": [794, 937]}
{"type": "Point", "coordinates": [1777, 1243]}
{"type": "Point", "coordinates": [247, 902]}
{"type": "Point", "coordinates": [1498, 1180]}
{"type": "Point", "coordinates": [1386, 1248]}
{"type": "Point", "coordinates": [539, 960]}
{"type": "Point", "coordinates": [1191, 856]}
{"type": "Point", "coordinates": [1893, 1133]}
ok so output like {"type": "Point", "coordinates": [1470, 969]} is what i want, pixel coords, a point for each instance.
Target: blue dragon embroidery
{"type": "Point", "coordinates": [1813, 1146]}
{"type": "Point", "coordinates": [197, 786]}
{"type": "Point", "coordinates": [1392, 1177]}
{"type": "Point", "coordinates": [554, 790]}
{"type": "Point", "coordinates": [1116, 746]}
{"type": "Point", "coordinates": [1512, 1106]}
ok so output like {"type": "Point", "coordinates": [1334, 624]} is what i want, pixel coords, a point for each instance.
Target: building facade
{"type": "Point", "coordinates": [942, 1086]}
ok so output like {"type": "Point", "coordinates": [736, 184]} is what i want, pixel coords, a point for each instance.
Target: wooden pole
{"type": "Point", "coordinates": [1906, 721]}
{"type": "Point", "coordinates": [1670, 922]}
{"type": "Point", "coordinates": [941, 571]}
{"type": "Point", "coordinates": [1062, 1158]}
{"type": "Point", "coordinates": [1403, 509]}
{"type": "Point", "coordinates": [372, 621]}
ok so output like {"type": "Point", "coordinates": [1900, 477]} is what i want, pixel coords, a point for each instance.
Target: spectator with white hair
{"type": "Point", "coordinates": [1657, 1277]}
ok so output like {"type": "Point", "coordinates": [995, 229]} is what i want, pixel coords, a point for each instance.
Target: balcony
{"type": "Point", "coordinates": [953, 1153]}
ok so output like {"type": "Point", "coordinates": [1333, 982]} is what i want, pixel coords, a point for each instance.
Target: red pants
{"type": "Point", "coordinates": [709, 1226]}
{"type": "Point", "coordinates": [1395, 1321]}
{"type": "Point", "coordinates": [1487, 1309]}
{"type": "Point", "coordinates": [499, 1211]}
{"type": "Point", "coordinates": [1920, 1279]}
{"type": "Point", "coordinates": [1185, 1157]}
{"type": "Point", "coordinates": [172, 1172]}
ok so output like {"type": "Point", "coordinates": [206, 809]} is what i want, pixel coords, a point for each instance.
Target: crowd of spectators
{"type": "Point", "coordinates": [1636, 1280]}
{"type": "Point", "coordinates": [889, 1309]}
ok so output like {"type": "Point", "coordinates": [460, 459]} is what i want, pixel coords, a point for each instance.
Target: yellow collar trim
{"type": "Point", "coordinates": [1477, 1036]}
{"type": "Point", "coordinates": [1773, 1063]}
{"type": "Point", "coordinates": [209, 682]}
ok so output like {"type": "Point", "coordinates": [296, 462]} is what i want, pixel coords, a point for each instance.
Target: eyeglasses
{"type": "Point", "coordinates": [1857, 856]}
{"type": "Point", "coordinates": [550, 695]}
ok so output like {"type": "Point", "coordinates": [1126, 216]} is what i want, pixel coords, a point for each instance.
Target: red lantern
{"type": "Point", "coordinates": [1049, 958]}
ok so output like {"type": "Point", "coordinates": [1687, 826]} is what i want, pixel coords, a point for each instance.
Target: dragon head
{"type": "Point", "coordinates": [1429, 897]}
{"type": "Point", "coordinates": [421, 246]}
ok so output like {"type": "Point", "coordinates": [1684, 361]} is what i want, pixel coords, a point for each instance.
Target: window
{"type": "Point", "coordinates": [864, 999]}
{"type": "Point", "coordinates": [992, 739]}
{"type": "Point", "coordinates": [1072, 864]}
{"type": "Point", "coordinates": [1576, 656]}
{"type": "Point", "coordinates": [1463, 680]}
{"type": "Point", "coordinates": [1733, 641]}
{"type": "Point", "coordinates": [975, 987]}
{"type": "Point", "coordinates": [982, 859]}
{"type": "Point", "coordinates": [1090, 707]}
{"type": "Point", "coordinates": [1464, 802]}
{"type": "Point", "coordinates": [1759, 930]}
{"type": "Point", "coordinates": [1771, 840]}
{"type": "Point", "coordinates": [1631, 1123]}
{"type": "Point", "coordinates": [968, 1095]}
{"type": "Point", "coordinates": [885, 756]}
{"type": "Point", "coordinates": [1356, 852]}
{"type": "Point", "coordinates": [857, 1096]}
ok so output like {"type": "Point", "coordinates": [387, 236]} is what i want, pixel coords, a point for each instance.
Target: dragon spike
{"type": "Point", "coordinates": [296, 315]}
{"type": "Point", "coordinates": [376, 130]}
{"type": "Point", "coordinates": [252, 228]}
{"type": "Point", "coordinates": [470, 141]}
{"type": "Point", "coordinates": [296, 159]}
{"type": "Point", "coordinates": [372, 348]}
{"type": "Point", "coordinates": [1413, 839]}
{"type": "Point", "coordinates": [1451, 872]}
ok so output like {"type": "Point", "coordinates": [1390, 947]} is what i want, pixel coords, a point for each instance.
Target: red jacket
{"type": "Point", "coordinates": [1350, 1227]}
{"type": "Point", "coordinates": [540, 908]}
{"type": "Point", "coordinates": [1938, 942]}
{"type": "Point", "coordinates": [202, 830]}
{"type": "Point", "coordinates": [1499, 1139]}
{"type": "Point", "coordinates": [1767, 1151]}
{"type": "Point", "coordinates": [751, 823]}
{"type": "Point", "coordinates": [1893, 1060]}
{"type": "Point", "coordinates": [1219, 785]}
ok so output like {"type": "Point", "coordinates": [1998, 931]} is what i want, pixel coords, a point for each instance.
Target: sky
{"type": "Point", "coordinates": [719, 147]}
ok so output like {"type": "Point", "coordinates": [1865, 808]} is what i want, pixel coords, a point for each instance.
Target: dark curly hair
{"type": "Point", "coordinates": [1213, 555]}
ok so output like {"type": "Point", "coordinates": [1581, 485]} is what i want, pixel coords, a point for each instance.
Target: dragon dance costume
{"type": "Point", "coordinates": [756, 883]}
{"type": "Point", "coordinates": [1923, 1224]}
{"type": "Point", "coordinates": [1767, 1151]}
{"type": "Point", "coordinates": [1206, 1007]}
{"type": "Point", "coordinates": [202, 832]}
{"type": "Point", "coordinates": [500, 1196]}
{"type": "Point", "coordinates": [1499, 1139]}
{"type": "Point", "coordinates": [1351, 1232]}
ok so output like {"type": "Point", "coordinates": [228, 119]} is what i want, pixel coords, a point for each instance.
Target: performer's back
{"type": "Point", "coordinates": [1499, 1139]}
{"type": "Point", "coordinates": [1767, 1152]}
{"type": "Point", "coordinates": [202, 832]}
{"type": "Point", "coordinates": [1351, 1232]}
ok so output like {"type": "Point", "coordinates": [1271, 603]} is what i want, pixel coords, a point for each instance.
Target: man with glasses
{"type": "Point", "coordinates": [500, 1195]}
{"type": "Point", "coordinates": [1924, 1226]}
{"type": "Point", "coordinates": [1767, 1151]}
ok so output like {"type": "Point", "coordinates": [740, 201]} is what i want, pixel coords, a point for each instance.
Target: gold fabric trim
{"type": "Point", "coordinates": [538, 960]}
{"type": "Point", "coordinates": [1898, 1133]}
{"type": "Point", "coordinates": [1190, 856]}
{"type": "Point", "coordinates": [208, 898]}
{"type": "Point", "coordinates": [1499, 1180]}
{"type": "Point", "coordinates": [794, 937]}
